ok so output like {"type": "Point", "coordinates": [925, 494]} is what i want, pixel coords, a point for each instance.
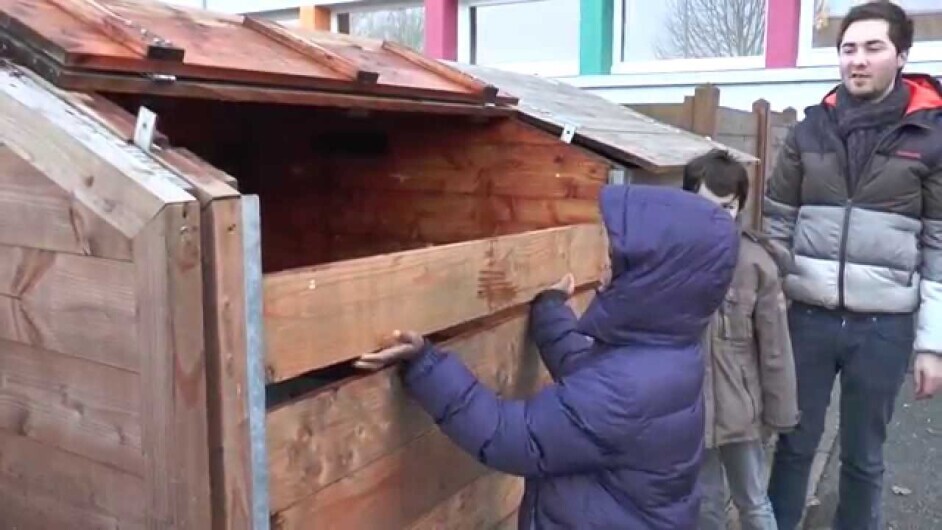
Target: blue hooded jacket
{"type": "Point", "coordinates": [616, 441]}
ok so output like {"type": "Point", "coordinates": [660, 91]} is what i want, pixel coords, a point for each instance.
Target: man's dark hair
{"type": "Point", "coordinates": [720, 173]}
{"type": "Point", "coordinates": [901, 26]}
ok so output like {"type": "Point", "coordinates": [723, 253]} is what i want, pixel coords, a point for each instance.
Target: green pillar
{"type": "Point", "coordinates": [596, 26]}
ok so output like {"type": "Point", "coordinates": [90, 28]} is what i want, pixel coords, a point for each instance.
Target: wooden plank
{"type": "Point", "coordinates": [671, 113]}
{"type": "Point", "coordinates": [611, 130]}
{"type": "Point", "coordinates": [735, 122]}
{"type": "Point", "coordinates": [32, 510]}
{"type": "Point", "coordinates": [483, 504]}
{"type": "Point", "coordinates": [389, 493]}
{"type": "Point", "coordinates": [310, 49]}
{"type": "Point", "coordinates": [327, 314]}
{"type": "Point", "coordinates": [137, 38]}
{"type": "Point", "coordinates": [167, 256]}
{"type": "Point", "coordinates": [224, 302]}
{"type": "Point", "coordinates": [205, 181]}
{"type": "Point", "coordinates": [77, 406]}
{"type": "Point", "coordinates": [488, 91]}
{"type": "Point", "coordinates": [116, 119]}
{"type": "Point", "coordinates": [114, 180]}
{"type": "Point", "coordinates": [449, 218]}
{"type": "Point", "coordinates": [70, 304]}
{"type": "Point", "coordinates": [230, 91]}
{"type": "Point", "coordinates": [37, 212]}
{"type": "Point", "coordinates": [315, 442]}
{"type": "Point", "coordinates": [208, 181]}
{"type": "Point", "coordinates": [68, 482]}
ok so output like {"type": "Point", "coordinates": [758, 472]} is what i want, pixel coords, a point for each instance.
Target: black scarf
{"type": "Point", "coordinates": [860, 123]}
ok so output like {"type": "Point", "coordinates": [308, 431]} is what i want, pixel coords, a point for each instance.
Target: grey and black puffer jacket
{"type": "Point", "coordinates": [872, 243]}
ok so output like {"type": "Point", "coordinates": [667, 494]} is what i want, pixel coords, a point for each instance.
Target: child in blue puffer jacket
{"type": "Point", "coordinates": [616, 441]}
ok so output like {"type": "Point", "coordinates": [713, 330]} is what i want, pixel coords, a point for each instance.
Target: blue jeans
{"type": "Point", "coordinates": [871, 352]}
{"type": "Point", "coordinates": [744, 466]}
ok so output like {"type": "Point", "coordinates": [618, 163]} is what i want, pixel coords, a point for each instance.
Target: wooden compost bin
{"type": "Point", "coordinates": [177, 315]}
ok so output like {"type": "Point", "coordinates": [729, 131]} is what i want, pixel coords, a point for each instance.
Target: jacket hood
{"type": "Point", "coordinates": [673, 254]}
{"type": "Point", "coordinates": [925, 93]}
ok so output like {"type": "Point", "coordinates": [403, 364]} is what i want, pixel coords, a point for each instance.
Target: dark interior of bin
{"type": "Point", "coordinates": [337, 184]}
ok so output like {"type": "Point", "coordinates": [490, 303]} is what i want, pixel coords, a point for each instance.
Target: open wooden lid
{"type": "Point", "coordinates": [149, 47]}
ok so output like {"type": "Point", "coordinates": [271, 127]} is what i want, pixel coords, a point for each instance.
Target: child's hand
{"type": "Point", "coordinates": [407, 345]}
{"type": "Point", "coordinates": [567, 284]}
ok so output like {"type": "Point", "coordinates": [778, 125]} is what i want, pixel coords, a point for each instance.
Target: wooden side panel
{"type": "Point", "coordinates": [484, 503]}
{"type": "Point", "coordinates": [72, 405]}
{"type": "Point", "coordinates": [36, 212]}
{"type": "Point", "coordinates": [364, 453]}
{"type": "Point", "coordinates": [107, 175]}
{"type": "Point", "coordinates": [70, 304]}
{"type": "Point", "coordinates": [328, 314]}
{"type": "Point", "coordinates": [170, 340]}
{"type": "Point", "coordinates": [68, 487]}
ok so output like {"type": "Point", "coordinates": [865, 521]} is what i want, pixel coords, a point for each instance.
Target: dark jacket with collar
{"type": "Point", "coordinates": [871, 243]}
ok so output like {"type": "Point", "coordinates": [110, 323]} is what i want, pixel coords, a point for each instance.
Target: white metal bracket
{"type": "Point", "coordinates": [145, 128]}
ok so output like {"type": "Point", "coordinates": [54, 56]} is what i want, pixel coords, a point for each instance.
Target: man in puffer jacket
{"type": "Point", "coordinates": [616, 442]}
{"type": "Point", "coordinates": [857, 197]}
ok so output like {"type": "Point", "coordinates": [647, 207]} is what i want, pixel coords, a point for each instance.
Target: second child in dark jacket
{"type": "Point", "coordinates": [616, 441]}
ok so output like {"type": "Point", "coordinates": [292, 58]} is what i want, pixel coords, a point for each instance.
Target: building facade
{"type": "Point", "coordinates": [630, 51]}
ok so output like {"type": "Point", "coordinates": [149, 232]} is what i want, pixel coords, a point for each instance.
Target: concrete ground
{"type": "Point", "coordinates": [912, 497]}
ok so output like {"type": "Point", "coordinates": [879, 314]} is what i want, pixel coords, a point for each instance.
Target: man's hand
{"type": "Point", "coordinates": [927, 373]}
{"type": "Point", "coordinates": [407, 345]}
{"type": "Point", "coordinates": [567, 284]}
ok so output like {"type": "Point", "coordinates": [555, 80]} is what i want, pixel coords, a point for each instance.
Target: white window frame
{"type": "Point", "coordinates": [708, 64]}
{"type": "Point", "coordinates": [540, 68]}
{"type": "Point", "coordinates": [344, 8]}
{"type": "Point", "coordinates": [921, 52]}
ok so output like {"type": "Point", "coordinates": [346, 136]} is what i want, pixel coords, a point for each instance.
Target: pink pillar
{"type": "Point", "coordinates": [781, 39]}
{"type": "Point", "coordinates": [441, 29]}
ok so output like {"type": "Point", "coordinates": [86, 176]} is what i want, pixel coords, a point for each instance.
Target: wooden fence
{"type": "Point", "coordinates": [760, 132]}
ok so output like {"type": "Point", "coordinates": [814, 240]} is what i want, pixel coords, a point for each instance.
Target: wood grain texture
{"type": "Point", "coordinates": [114, 180]}
{"type": "Point", "coordinates": [72, 404]}
{"type": "Point", "coordinates": [167, 256]}
{"type": "Point", "coordinates": [389, 493]}
{"type": "Point", "coordinates": [603, 126]}
{"type": "Point", "coordinates": [327, 314]}
{"type": "Point", "coordinates": [125, 31]}
{"type": "Point", "coordinates": [67, 484]}
{"type": "Point", "coordinates": [317, 441]}
{"type": "Point", "coordinates": [36, 212]}
{"type": "Point", "coordinates": [36, 510]}
{"type": "Point", "coordinates": [71, 304]}
{"type": "Point", "coordinates": [224, 305]}
{"type": "Point", "coordinates": [310, 49]}
{"type": "Point", "coordinates": [484, 503]}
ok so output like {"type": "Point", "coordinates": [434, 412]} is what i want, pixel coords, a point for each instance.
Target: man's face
{"type": "Point", "coordinates": [869, 60]}
{"type": "Point", "coordinates": [728, 202]}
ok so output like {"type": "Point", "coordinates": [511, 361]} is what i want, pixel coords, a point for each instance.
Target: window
{"type": "Point", "coordinates": [673, 35]}
{"type": "Point", "coordinates": [821, 22]}
{"type": "Point", "coordinates": [536, 37]}
{"type": "Point", "coordinates": [403, 23]}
